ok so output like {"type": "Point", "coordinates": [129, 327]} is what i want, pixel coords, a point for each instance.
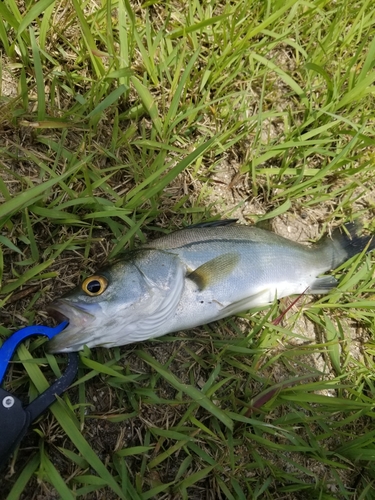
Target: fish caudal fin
{"type": "Point", "coordinates": [342, 246]}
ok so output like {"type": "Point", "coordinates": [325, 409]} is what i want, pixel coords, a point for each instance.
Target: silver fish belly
{"type": "Point", "coordinates": [195, 276]}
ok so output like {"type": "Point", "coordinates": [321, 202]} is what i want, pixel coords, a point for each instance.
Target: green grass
{"type": "Point", "coordinates": [120, 121]}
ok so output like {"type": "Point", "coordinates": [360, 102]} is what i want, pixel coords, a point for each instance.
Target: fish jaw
{"type": "Point", "coordinates": [80, 318]}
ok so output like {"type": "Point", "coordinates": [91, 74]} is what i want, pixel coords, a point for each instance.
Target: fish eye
{"type": "Point", "coordinates": [94, 285]}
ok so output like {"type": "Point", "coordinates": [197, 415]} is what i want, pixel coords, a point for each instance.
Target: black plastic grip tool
{"type": "Point", "coordinates": [15, 419]}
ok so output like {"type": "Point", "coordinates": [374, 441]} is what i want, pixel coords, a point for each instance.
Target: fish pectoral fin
{"type": "Point", "coordinates": [214, 270]}
{"type": "Point", "coordinates": [322, 285]}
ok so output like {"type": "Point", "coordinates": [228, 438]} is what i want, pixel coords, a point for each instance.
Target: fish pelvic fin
{"type": "Point", "coordinates": [214, 270]}
{"type": "Point", "coordinates": [344, 244]}
{"type": "Point", "coordinates": [262, 298]}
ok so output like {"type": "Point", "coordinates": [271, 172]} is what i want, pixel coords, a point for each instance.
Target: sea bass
{"type": "Point", "coordinates": [194, 276]}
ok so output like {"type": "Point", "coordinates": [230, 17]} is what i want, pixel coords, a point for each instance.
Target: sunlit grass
{"type": "Point", "coordinates": [117, 120]}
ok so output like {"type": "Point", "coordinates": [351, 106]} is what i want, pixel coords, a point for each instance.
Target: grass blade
{"type": "Point", "coordinates": [139, 195]}
{"type": "Point", "coordinates": [38, 76]}
{"type": "Point", "coordinates": [193, 393]}
{"type": "Point", "coordinates": [30, 196]}
{"type": "Point", "coordinates": [107, 102]}
{"type": "Point", "coordinates": [148, 103]}
{"type": "Point", "coordinates": [89, 40]}
{"type": "Point", "coordinates": [61, 413]}
{"type": "Point", "coordinates": [55, 479]}
{"type": "Point", "coordinates": [36, 10]}
{"type": "Point", "coordinates": [25, 476]}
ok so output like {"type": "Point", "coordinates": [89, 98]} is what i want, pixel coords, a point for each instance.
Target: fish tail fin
{"type": "Point", "coordinates": [345, 243]}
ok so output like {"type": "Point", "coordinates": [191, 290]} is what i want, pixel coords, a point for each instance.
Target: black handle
{"type": "Point", "coordinates": [16, 419]}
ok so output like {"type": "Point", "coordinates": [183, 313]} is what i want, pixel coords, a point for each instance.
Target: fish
{"type": "Point", "coordinates": [195, 276]}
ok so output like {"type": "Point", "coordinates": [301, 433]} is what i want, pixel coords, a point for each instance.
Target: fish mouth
{"type": "Point", "coordinates": [72, 338]}
{"type": "Point", "coordinates": [56, 314]}
{"type": "Point", "coordinates": [62, 310]}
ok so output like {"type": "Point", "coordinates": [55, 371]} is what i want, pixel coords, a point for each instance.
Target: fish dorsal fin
{"type": "Point", "coordinates": [213, 223]}
{"type": "Point", "coordinates": [214, 270]}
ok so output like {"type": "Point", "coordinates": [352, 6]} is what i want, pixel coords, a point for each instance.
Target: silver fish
{"type": "Point", "coordinates": [194, 276]}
